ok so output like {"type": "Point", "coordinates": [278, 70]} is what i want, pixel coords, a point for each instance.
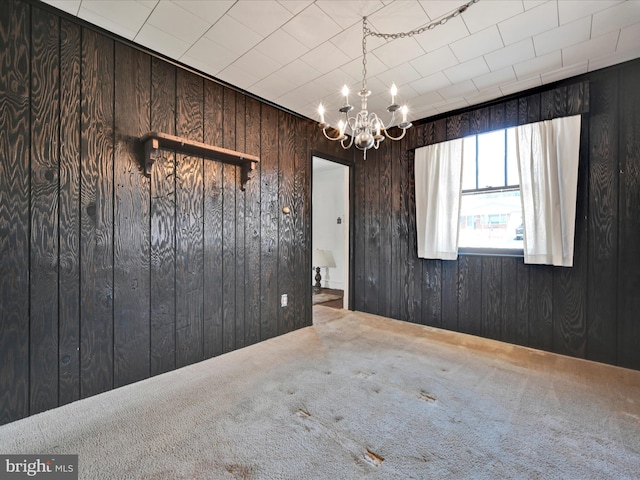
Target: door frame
{"type": "Point", "coordinates": [351, 198]}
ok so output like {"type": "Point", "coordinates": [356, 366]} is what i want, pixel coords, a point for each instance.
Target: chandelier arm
{"type": "Point", "coordinates": [333, 139]}
{"type": "Point", "coordinates": [352, 123]}
{"type": "Point", "coordinates": [390, 137]}
{"type": "Point", "coordinates": [348, 146]}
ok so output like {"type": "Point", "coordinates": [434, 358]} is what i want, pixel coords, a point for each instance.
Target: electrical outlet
{"type": "Point", "coordinates": [284, 300]}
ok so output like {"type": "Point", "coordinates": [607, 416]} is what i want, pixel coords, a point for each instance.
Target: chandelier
{"type": "Point", "coordinates": [366, 129]}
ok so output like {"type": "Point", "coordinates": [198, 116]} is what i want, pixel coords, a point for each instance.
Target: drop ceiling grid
{"type": "Point", "coordinates": [298, 53]}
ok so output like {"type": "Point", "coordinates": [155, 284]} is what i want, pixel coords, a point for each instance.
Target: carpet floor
{"type": "Point", "coordinates": [356, 396]}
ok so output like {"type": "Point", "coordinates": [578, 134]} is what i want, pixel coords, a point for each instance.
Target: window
{"type": "Point", "coordinates": [490, 209]}
{"type": "Point", "coordinates": [470, 194]}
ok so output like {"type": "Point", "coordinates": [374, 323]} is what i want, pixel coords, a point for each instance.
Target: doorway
{"type": "Point", "coordinates": [331, 225]}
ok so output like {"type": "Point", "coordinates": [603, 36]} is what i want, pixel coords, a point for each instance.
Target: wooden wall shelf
{"type": "Point", "coordinates": [154, 141]}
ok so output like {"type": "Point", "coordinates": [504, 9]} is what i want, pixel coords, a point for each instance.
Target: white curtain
{"type": "Point", "coordinates": [548, 154]}
{"type": "Point", "coordinates": [438, 171]}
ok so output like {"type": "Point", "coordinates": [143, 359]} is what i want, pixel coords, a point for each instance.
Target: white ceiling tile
{"type": "Point", "coordinates": [69, 6]}
{"type": "Point", "coordinates": [492, 79]}
{"type": "Point", "coordinates": [272, 47]}
{"type": "Point", "coordinates": [399, 75]}
{"type": "Point", "coordinates": [233, 35]}
{"type": "Point", "coordinates": [151, 4]}
{"type": "Point", "coordinates": [211, 12]}
{"type": "Point", "coordinates": [120, 18]}
{"type": "Point", "coordinates": [443, 35]}
{"type": "Point", "coordinates": [354, 67]}
{"type": "Point", "coordinates": [398, 51]}
{"type": "Point", "coordinates": [170, 17]}
{"type": "Point", "coordinates": [322, 88]}
{"type": "Point", "coordinates": [295, 6]}
{"type": "Point", "coordinates": [593, 48]}
{"type": "Point", "coordinates": [272, 87]}
{"type": "Point", "coordinates": [425, 112]}
{"type": "Point", "coordinates": [261, 16]}
{"type": "Point", "coordinates": [257, 64]}
{"type": "Point", "coordinates": [629, 38]}
{"type": "Point", "coordinates": [161, 42]}
{"type": "Point", "coordinates": [294, 97]}
{"type": "Point", "coordinates": [349, 41]}
{"type": "Point", "coordinates": [325, 57]}
{"type": "Point", "coordinates": [351, 11]}
{"type": "Point", "coordinates": [611, 59]}
{"type": "Point", "coordinates": [312, 27]}
{"type": "Point", "coordinates": [568, 12]}
{"type": "Point", "coordinates": [529, 4]}
{"type": "Point", "coordinates": [477, 44]}
{"type": "Point", "coordinates": [563, 36]}
{"type": "Point", "coordinates": [298, 52]}
{"type": "Point", "coordinates": [376, 87]}
{"type": "Point", "coordinates": [521, 85]}
{"type": "Point", "coordinates": [565, 72]}
{"type": "Point", "coordinates": [616, 17]}
{"type": "Point", "coordinates": [399, 16]}
{"type": "Point", "coordinates": [436, 9]}
{"type": "Point", "coordinates": [514, 53]}
{"type": "Point", "coordinates": [489, 12]}
{"type": "Point", "coordinates": [484, 96]}
{"type": "Point", "coordinates": [107, 24]}
{"type": "Point", "coordinates": [435, 61]}
{"type": "Point", "coordinates": [380, 99]}
{"type": "Point", "coordinates": [530, 23]}
{"type": "Point", "coordinates": [207, 52]}
{"type": "Point", "coordinates": [546, 63]}
{"type": "Point", "coordinates": [299, 72]}
{"type": "Point", "coordinates": [429, 99]}
{"type": "Point", "coordinates": [452, 105]}
{"type": "Point", "coordinates": [461, 89]}
{"type": "Point", "coordinates": [198, 65]}
{"type": "Point", "coordinates": [334, 80]}
{"type": "Point", "coordinates": [238, 76]}
{"type": "Point", "coordinates": [432, 82]}
{"type": "Point", "coordinates": [310, 110]}
{"type": "Point", "coordinates": [464, 71]}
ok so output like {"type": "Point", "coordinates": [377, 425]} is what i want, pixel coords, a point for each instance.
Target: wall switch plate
{"type": "Point", "coordinates": [284, 300]}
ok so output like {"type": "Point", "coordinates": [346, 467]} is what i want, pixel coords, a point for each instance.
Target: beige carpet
{"type": "Point", "coordinates": [356, 396]}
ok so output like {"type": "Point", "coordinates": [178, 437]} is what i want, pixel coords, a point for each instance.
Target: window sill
{"type": "Point", "coordinates": [492, 252]}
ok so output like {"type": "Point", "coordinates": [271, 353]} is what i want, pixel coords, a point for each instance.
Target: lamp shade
{"type": "Point", "coordinates": [323, 258]}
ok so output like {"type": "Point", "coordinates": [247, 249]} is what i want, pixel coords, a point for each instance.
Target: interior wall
{"type": "Point", "coordinates": [108, 276]}
{"type": "Point", "coordinates": [588, 311]}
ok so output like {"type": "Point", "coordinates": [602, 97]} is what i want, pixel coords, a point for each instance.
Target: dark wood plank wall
{"type": "Point", "coordinates": [588, 311]}
{"type": "Point", "coordinates": [108, 276]}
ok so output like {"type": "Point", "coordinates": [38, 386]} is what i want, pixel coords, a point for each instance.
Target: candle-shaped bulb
{"type": "Point", "coordinates": [341, 126]}
{"type": "Point", "coordinates": [404, 113]}
{"type": "Point", "coordinates": [345, 93]}
{"type": "Point", "coordinates": [394, 92]}
{"type": "Point", "coordinates": [378, 127]}
{"type": "Point", "coordinates": [321, 112]}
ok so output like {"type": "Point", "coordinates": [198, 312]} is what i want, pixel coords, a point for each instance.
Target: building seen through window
{"type": "Point", "coordinates": [491, 209]}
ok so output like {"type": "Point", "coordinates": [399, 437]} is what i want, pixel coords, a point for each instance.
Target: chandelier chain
{"type": "Point", "coordinates": [366, 31]}
{"type": "Point", "coordinates": [364, 53]}
{"type": "Point", "coordinates": [418, 31]}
